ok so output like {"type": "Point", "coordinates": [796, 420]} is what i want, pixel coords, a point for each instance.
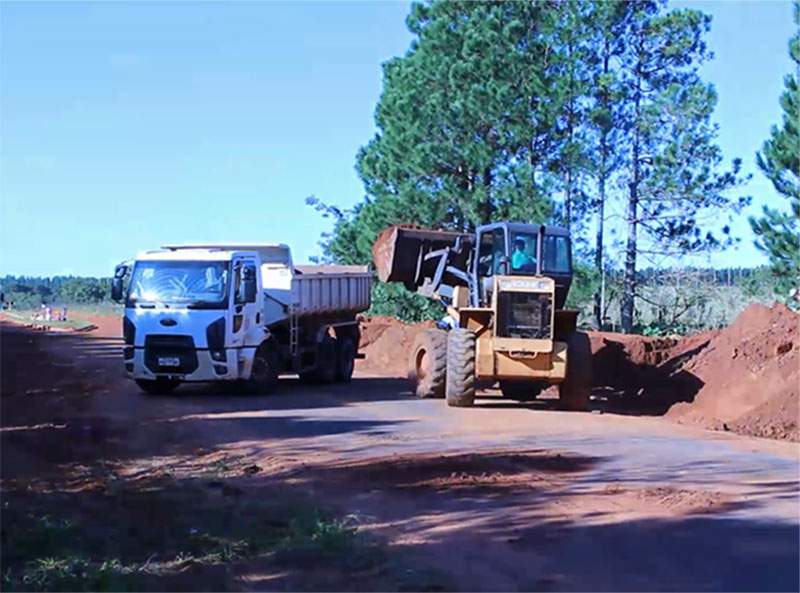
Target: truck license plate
{"type": "Point", "coordinates": [169, 361]}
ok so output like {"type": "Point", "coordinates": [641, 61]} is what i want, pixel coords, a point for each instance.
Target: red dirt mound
{"type": "Point", "coordinates": [750, 374]}
{"type": "Point", "coordinates": [386, 343]}
{"type": "Point", "coordinates": [743, 378]}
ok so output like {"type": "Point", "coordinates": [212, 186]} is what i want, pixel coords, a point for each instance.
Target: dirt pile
{"type": "Point", "coordinates": [744, 378]}
{"type": "Point", "coordinates": [750, 375]}
{"type": "Point", "coordinates": [386, 344]}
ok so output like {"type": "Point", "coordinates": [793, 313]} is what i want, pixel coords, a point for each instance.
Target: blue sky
{"type": "Point", "coordinates": [127, 125]}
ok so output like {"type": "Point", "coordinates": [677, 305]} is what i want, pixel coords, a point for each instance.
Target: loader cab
{"type": "Point", "coordinates": [511, 248]}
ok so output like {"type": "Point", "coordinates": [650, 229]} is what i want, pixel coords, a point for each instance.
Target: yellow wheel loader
{"type": "Point", "coordinates": [504, 289]}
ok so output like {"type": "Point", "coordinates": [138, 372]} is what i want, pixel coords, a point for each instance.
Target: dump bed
{"type": "Point", "coordinates": [331, 289]}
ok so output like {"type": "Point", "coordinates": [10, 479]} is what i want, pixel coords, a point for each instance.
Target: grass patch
{"type": "Point", "coordinates": [143, 537]}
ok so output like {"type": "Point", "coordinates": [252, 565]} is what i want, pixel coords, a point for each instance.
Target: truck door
{"type": "Point", "coordinates": [246, 307]}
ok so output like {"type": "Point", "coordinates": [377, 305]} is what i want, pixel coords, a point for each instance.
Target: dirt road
{"type": "Point", "coordinates": [503, 496]}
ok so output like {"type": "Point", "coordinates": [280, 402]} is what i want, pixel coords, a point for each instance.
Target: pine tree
{"type": "Point", "coordinates": [607, 20]}
{"type": "Point", "coordinates": [676, 196]}
{"type": "Point", "coordinates": [777, 231]}
{"type": "Point", "coordinates": [471, 123]}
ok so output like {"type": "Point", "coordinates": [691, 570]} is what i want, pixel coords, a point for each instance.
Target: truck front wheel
{"type": "Point", "coordinates": [157, 386]}
{"type": "Point", "coordinates": [460, 383]}
{"type": "Point", "coordinates": [265, 370]}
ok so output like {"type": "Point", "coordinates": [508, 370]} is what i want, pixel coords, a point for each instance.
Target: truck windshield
{"type": "Point", "coordinates": [194, 284]}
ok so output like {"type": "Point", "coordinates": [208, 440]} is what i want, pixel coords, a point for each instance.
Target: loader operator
{"type": "Point", "coordinates": [521, 261]}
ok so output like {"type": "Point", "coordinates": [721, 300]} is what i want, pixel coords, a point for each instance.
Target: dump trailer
{"type": "Point", "coordinates": [504, 288]}
{"type": "Point", "coordinates": [241, 313]}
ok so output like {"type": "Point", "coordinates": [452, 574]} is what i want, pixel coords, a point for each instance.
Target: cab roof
{"type": "Point", "coordinates": [270, 253]}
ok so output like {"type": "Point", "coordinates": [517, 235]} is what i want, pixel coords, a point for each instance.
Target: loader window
{"type": "Point", "coordinates": [523, 253]}
{"type": "Point", "coordinates": [492, 248]}
{"type": "Point", "coordinates": [556, 254]}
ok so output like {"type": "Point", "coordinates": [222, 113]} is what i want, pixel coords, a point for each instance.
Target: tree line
{"type": "Point", "coordinates": [587, 114]}
{"type": "Point", "coordinates": [30, 292]}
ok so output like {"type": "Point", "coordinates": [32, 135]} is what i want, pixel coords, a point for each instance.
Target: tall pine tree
{"type": "Point", "coordinates": [677, 198]}
{"type": "Point", "coordinates": [777, 231]}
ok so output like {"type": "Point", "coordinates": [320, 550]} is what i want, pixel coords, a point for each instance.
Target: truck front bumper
{"type": "Point", "coordinates": [236, 366]}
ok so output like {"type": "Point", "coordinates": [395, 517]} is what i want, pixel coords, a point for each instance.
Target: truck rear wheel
{"type": "Point", "coordinates": [324, 370]}
{"type": "Point", "coordinates": [574, 390]}
{"type": "Point", "coordinates": [522, 391]}
{"type": "Point", "coordinates": [346, 353]}
{"type": "Point", "coordinates": [460, 383]}
{"type": "Point", "coordinates": [429, 363]}
{"type": "Point", "coordinates": [157, 386]}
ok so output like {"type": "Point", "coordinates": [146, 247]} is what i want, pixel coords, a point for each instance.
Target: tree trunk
{"type": "Point", "coordinates": [488, 209]}
{"type": "Point", "coordinates": [597, 322]}
{"type": "Point", "coordinates": [629, 290]}
{"type": "Point", "coordinates": [598, 253]}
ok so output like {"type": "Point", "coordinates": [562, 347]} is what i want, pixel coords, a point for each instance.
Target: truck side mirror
{"type": "Point", "coordinates": [116, 283]}
{"type": "Point", "coordinates": [249, 281]}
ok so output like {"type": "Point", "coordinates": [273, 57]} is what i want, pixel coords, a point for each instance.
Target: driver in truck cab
{"type": "Point", "coordinates": [521, 261]}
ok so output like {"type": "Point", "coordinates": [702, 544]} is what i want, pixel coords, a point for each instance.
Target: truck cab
{"type": "Point", "coordinates": [230, 312]}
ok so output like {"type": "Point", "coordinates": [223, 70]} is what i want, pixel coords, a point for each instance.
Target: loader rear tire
{"type": "Point", "coordinates": [460, 383]}
{"type": "Point", "coordinates": [574, 390]}
{"type": "Point", "coordinates": [522, 391]}
{"type": "Point", "coordinates": [428, 367]}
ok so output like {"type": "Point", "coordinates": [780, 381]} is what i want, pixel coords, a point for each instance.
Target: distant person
{"type": "Point", "coordinates": [521, 261]}
{"type": "Point", "coordinates": [63, 313]}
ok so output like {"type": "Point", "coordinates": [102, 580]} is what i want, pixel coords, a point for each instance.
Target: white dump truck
{"type": "Point", "coordinates": [239, 313]}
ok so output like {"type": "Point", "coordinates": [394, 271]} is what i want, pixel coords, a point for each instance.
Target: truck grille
{"type": "Point", "coordinates": [180, 347]}
{"type": "Point", "coordinates": [524, 315]}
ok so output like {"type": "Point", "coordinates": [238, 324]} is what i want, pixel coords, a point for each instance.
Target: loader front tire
{"type": "Point", "coordinates": [574, 390]}
{"type": "Point", "coordinates": [428, 366]}
{"type": "Point", "coordinates": [460, 383]}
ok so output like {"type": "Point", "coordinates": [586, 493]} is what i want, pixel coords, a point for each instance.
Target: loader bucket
{"type": "Point", "coordinates": [398, 252]}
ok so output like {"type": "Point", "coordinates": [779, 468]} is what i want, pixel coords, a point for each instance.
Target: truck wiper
{"type": "Point", "coordinates": [200, 305]}
{"type": "Point", "coordinates": [151, 305]}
